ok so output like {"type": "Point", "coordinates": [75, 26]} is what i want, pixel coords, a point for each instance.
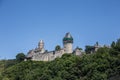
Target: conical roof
{"type": "Point", "coordinates": [41, 41]}
{"type": "Point", "coordinates": [68, 38]}
{"type": "Point", "coordinates": [68, 35]}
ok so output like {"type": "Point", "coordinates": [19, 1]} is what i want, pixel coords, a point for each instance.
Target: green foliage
{"type": "Point", "coordinates": [2, 64]}
{"type": "Point", "coordinates": [102, 65]}
{"type": "Point", "coordinates": [20, 57]}
{"type": "Point", "coordinates": [80, 49]}
{"type": "Point", "coordinates": [99, 66]}
{"type": "Point", "coordinates": [89, 49]}
{"type": "Point", "coordinates": [10, 62]}
{"type": "Point", "coordinates": [113, 44]}
{"type": "Point", "coordinates": [115, 51]}
{"type": "Point", "coordinates": [57, 48]}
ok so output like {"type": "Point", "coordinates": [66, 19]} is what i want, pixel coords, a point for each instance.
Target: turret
{"type": "Point", "coordinates": [41, 46]}
{"type": "Point", "coordinates": [67, 42]}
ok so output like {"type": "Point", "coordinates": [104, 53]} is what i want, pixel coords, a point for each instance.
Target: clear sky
{"type": "Point", "coordinates": [24, 22]}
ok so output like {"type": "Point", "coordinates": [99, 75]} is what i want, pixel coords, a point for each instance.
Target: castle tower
{"type": "Point", "coordinates": [67, 42]}
{"type": "Point", "coordinates": [41, 46]}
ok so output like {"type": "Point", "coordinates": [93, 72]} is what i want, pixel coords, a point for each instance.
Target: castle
{"type": "Point", "coordinates": [40, 54]}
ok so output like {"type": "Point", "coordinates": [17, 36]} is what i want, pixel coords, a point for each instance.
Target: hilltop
{"type": "Point", "coordinates": [101, 65]}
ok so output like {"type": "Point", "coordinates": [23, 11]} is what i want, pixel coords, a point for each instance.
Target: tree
{"type": "Point", "coordinates": [103, 50]}
{"type": "Point", "coordinates": [89, 49]}
{"type": "Point", "coordinates": [10, 62]}
{"type": "Point", "coordinates": [115, 50]}
{"type": "Point", "coordinates": [113, 44]}
{"type": "Point", "coordinates": [57, 48]}
{"type": "Point", "coordinates": [20, 57]}
{"type": "Point", "coordinates": [79, 48]}
{"type": "Point", "coordinates": [97, 43]}
{"type": "Point", "coordinates": [118, 45]}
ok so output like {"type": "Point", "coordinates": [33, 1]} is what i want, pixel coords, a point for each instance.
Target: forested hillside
{"type": "Point", "coordinates": [1, 67]}
{"type": "Point", "coordinates": [102, 65]}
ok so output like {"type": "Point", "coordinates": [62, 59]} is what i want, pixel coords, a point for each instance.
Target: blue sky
{"type": "Point", "coordinates": [24, 22]}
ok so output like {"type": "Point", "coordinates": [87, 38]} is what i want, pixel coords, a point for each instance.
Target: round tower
{"type": "Point", "coordinates": [68, 42]}
{"type": "Point", "coordinates": [41, 46]}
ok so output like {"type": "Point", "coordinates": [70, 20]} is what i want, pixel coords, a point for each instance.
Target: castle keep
{"type": "Point", "coordinates": [40, 54]}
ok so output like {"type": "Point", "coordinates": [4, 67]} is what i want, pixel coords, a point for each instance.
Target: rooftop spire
{"type": "Point", "coordinates": [68, 38]}
{"type": "Point", "coordinates": [68, 35]}
{"type": "Point", "coordinates": [41, 41]}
